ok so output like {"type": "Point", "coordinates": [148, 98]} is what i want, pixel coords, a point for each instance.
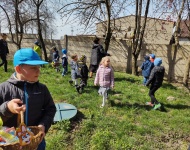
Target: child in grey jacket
{"type": "Point", "coordinates": [74, 70]}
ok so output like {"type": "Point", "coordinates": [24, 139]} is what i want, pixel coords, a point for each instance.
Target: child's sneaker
{"type": "Point", "coordinates": [78, 89]}
{"type": "Point", "coordinates": [157, 106]}
{"type": "Point", "coordinates": [101, 106]}
{"type": "Point", "coordinates": [71, 82]}
{"type": "Point", "coordinates": [149, 104]}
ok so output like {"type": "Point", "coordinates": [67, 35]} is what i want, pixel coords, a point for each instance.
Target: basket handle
{"type": "Point", "coordinates": [22, 116]}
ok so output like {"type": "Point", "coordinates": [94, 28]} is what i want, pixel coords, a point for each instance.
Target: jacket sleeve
{"type": "Point", "coordinates": [4, 111]}
{"type": "Point", "coordinates": [151, 77]}
{"type": "Point", "coordinates": [96, 80]}
{"type": "Point", "coordinates": [7, 52]}
{"type": "Point", "coordinates": [112, 78]}
{"type": "Point", "coordinates": [102, 52]}
{"type": "Point", "coordinates": [49, 110]}
{"type": "Point", "coordinates": [72, 65]}
{"type": "Point", "coordinates": [142, 66]}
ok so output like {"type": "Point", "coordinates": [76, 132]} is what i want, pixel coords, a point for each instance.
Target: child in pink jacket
{"type": "Point", "coordinates": [104, 78]}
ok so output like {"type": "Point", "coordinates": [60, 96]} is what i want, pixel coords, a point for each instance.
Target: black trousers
{"type": "Point", "coordinates": [152, 90]}
{"type": "Point", "coordinates": [4, 61]}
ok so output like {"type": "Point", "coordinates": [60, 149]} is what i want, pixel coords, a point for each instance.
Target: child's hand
{"type": "Point", "coordinates": [42, 128]}
{"type": "Point", "coordinates": [15, 106]}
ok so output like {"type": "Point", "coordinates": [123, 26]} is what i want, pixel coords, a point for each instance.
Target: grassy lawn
{"type": "Point", "coordinates": [126, 123]}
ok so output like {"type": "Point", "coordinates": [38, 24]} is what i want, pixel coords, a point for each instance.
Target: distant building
{"type": "Point", "coordinates": [157, 31]}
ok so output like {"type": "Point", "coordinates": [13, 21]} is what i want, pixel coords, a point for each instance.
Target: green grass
{"type": "Point", "coordinates": [125, 123]}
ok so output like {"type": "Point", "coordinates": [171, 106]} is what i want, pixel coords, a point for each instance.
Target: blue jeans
{"type": "Point", "coordinates": [145, 79]}
{"type": "Point", "coordinates": [42, 145]}
{"type": "Point", "coordinates": [65, 69]}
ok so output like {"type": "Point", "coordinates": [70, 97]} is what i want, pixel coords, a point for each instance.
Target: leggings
{"type": "Point", "coordinates": [4, 61]}
{"type": "Point", "coordinates": [152, 90]}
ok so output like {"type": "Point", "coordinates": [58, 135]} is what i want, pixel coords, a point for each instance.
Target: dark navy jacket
{"type": "Point", "coordinates": [96, 54]}
{"type": "Point", "coordinates": [156, 77]}
{"type": "Point", "coordinates": [3, 47]}
{"type": "Point", "coordinates": [41, 108]}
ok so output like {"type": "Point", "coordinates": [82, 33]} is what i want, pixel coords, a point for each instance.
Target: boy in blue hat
{"type": "Point", "coordinates": [152, 57]}
{"type": "Point", "coordinates": [155, 79]}
{"type": "Point", "coordinates": [64, 62]}
{"type": "Point", "coordinates": [23, 92]}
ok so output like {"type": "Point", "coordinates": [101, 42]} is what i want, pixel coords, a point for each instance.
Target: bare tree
{"type": "Point", "coordinates": [180, 9]}
{"type": "Point", "coordinates": [89, 12]}
{"type": "Point", "coordinates": [17, 23]}
{"type": "Point", "coordinates": [38, 3]}
{"type": "Point", "coordinates": [138, 33]}
{"type": "Point", "coordinates": [187, 67]}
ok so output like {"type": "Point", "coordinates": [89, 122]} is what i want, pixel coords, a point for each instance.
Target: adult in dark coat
{"type": "Point", "coordinates": [96, 55]}
{"type": "Point", "coordinates": [4, 51]}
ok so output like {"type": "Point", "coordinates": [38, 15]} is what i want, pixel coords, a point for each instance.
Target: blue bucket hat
{"type": "Point", "coordinates": [27, 56]}
{"type": "Point", "coordinates": [64, 51]}
{"type": "Point", "coordinates": [157, 62]}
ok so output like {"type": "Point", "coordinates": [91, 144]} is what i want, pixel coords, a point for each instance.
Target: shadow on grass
{"type": "Point", "coordinates": [168, 86]}
{"type": "Point", "coordinates": [136, 105]}
{"type": "Point", "coordinates": [77, 119]}
{"type": "Point", "coordinates": [132, 80]}
{"type": "Point", "coordinates": [178, 106]}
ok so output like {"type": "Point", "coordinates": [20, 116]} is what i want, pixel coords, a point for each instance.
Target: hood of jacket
{"type": "Point", "coordinates": [13, 80]}
{"type": "Point", "coordinates": [146, 57]}
{"type": "Point", "coordinates": [159, 68]}
{"type": "Point", "coordinates": [95, 46]}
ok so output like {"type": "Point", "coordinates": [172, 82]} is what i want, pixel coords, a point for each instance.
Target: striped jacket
{"type": "Point", "coordinates": [104, 77]}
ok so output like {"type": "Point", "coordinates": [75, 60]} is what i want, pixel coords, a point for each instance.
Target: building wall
{"type": "Point", "coordinates": [157, 31]}
{"type": "Point", "coordinates": [173, 60]}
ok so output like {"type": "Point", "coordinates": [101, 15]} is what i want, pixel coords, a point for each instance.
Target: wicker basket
{"type": "Point", "coordinates": [32, 146]}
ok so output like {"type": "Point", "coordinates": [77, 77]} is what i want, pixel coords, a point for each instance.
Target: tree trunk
{"type": "Point", "coordinates": [40, 31]}
{"type": "Point", "coordinates": [139, 34]}
{"type": "Point", "coordinates": [178, 23]}
{"type": "Point", "coordinates": [134, 65]}
{"type": "Point", "coordinates": [108, 32]}
{"type": "Point", "coordinates": [186, 73]}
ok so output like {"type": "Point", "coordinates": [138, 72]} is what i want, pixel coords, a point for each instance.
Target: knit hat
{"type": "Point", "coordinates": [82, 58]}
{"type": "Point", "coordinates": [64, 51]}
{"type": "Point", "coordinates": [157, 62]}
{"type": "Point", "coordinates": [146, 57]}
{"type": "Point", "coordinates": [153, 56]}
{"type": "Point", "coordinates": [36, 42]}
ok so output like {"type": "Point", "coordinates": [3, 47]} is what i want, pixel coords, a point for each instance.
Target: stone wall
{"type": "Point", "coordinates": [173, 60]}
